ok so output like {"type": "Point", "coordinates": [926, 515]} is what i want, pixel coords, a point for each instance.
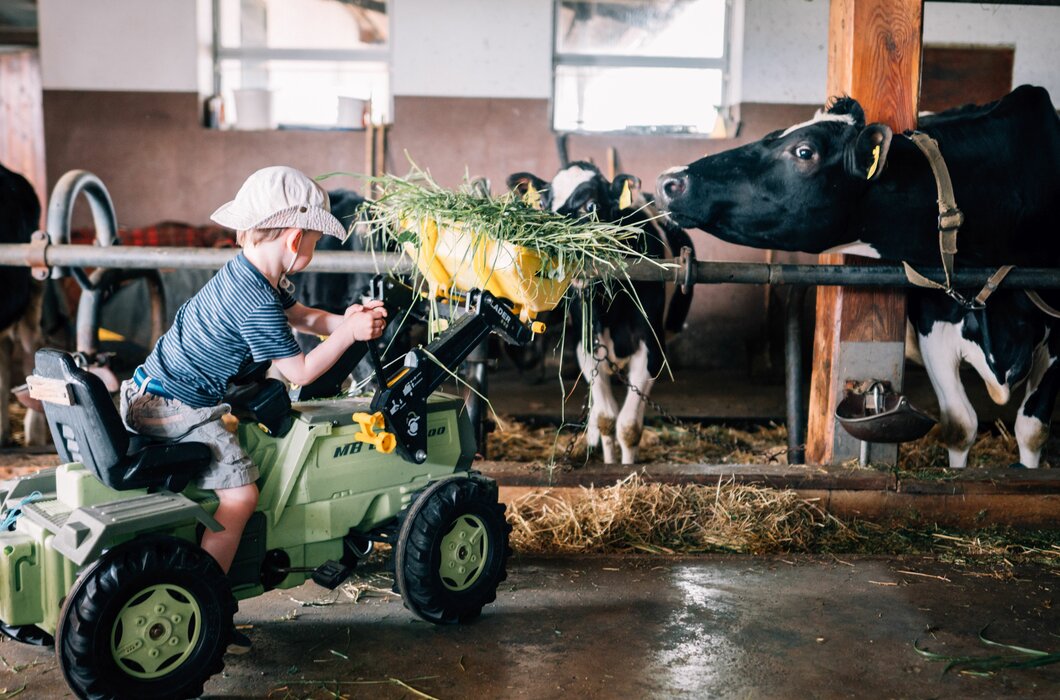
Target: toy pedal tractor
{"type": "Point", "coordinates": [100, 555]}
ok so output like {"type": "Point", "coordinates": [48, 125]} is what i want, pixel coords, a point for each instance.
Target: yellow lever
{"type": "Point", "coordinates": [371, 422]}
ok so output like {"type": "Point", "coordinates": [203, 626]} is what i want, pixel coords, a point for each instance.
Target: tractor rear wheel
{"type": "Point", "coordinates": [452, 550]}
{"type": "Point", "coordinates": [152, 618]}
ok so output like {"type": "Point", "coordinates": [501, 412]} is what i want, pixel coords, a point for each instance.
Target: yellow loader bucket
{"type": "Point", "coordinates": [454, 258]}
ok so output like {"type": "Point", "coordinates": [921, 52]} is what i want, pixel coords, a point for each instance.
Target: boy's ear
{"type": "Point", "coordinates": [293, 240]}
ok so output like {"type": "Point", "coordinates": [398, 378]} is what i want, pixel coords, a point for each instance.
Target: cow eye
{"type": "Point", "coordinates": [803, 152]}
{"type": "Point", "coordinates": [589, 206]}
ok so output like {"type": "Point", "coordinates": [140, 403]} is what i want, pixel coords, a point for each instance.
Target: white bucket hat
{"type": "Point", "coordinates": [280, 197]}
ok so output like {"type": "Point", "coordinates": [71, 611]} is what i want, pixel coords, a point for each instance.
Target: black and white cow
{"type": "Point", "coordinates": [632, 337]}
{"type": "Point", "coordinates": [20, 302]}
{"type": "Point", "coordinates": [835, 184]}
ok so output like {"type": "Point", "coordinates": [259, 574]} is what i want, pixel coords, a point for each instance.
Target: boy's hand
{"type": "Point", "coordinates": [357, 308]}
{"type": "Point", "coordinates": [366, 323]}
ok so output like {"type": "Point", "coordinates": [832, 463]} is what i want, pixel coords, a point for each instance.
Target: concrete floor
{"type": "Point", "coordinates": [612, 627]}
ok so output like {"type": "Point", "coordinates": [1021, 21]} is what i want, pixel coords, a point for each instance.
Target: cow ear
{"type": "Point", "coordinates": [869, 151]}
{"type": "Point", "coordinates": [622, 190]}
{"type": "Point", "coordinates": [529, 188]}
{"type": "Point", "coordinates": [848, 106]}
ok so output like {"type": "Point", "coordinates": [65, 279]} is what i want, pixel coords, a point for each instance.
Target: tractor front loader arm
{"type": "Point", "coordinates": [403, 398]}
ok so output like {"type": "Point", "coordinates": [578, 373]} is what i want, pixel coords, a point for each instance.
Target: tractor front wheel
{"type": "Point", "coordinates": [452, 550]}
{"type": "Point", "coordinates": [151, 619]}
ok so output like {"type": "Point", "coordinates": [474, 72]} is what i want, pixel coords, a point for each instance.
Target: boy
{"type": "Point", "coordinates": [244, 313]}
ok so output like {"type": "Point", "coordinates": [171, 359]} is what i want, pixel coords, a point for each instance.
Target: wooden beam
{"type": "Point", "coordinates": [22, 120]}
{"type": "Point", "coordinates": [874, 54]}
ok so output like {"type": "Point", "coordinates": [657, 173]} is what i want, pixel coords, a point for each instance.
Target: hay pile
{"type": "Point", "coordinates": [568, 247]}
{"type": "Point", "coordinates": [993, 448]}
{"type": "Point", "coordinates": [634, 515]}
{"type": "Point", "coordinates": [664, 518]}
{"type": "Point", "coordinates": [925, 458]}
{"type": "Point", "coordinates": [715, 444]}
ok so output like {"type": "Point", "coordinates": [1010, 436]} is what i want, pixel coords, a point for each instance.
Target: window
{"type": "Point", "coordinates": [640, 65]}
{"type": "Point", "coordinates": [301, 63]}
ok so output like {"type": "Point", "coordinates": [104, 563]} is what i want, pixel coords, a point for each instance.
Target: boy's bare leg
{"type": "Point", "coordinates": [234, 509]}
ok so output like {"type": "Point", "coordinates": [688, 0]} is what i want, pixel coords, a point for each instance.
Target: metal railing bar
{"type": "Point", "coordinates": [703, 272]}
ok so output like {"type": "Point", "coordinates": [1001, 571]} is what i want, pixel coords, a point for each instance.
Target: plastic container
{"type": "Point", "coordinates": [450, 258]}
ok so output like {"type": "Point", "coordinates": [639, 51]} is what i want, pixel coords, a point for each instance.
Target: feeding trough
{"type": "Point", "coordinates": [459, 258]}
{"type": "Point", "coordinates": [467, 239]}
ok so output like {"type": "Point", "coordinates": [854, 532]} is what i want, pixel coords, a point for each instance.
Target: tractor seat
{"type": "Point", "coordinates": [86, 428]}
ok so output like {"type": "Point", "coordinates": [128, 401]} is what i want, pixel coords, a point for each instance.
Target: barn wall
{"type": "Point", "coordinates": [121, 98]}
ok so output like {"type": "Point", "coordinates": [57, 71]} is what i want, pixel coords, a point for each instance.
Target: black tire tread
{"type": "Point", "coordinates": [126, 569]}
{"type": "Point", "coordinates": [421, 589]}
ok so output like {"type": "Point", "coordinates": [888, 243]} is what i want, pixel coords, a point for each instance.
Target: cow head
{"type": "Point", "coordinates": [792, 190]}
{"type": "Point", "coordinates": [578, 190]}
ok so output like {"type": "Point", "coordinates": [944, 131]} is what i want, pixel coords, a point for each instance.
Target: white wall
{"type": "Point", "coordinates": [785, 51]}
{"type": "Point", "coordinates": [472, 48]}
{"type": "Point", "coordinates": [118, 45]}
{"type": "Point", "coordinates": [503, 48]}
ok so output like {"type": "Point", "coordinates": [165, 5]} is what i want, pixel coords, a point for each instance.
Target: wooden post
{"type": "Point", "coordinates": [379, 150]}
{"type": "Point", "coordinates": [22, 121]}
{"type": "Point", "coordinates": [874, 51]}
{"type": "Point", "coordinates": [374, 154]}
{"type": "Point", "coordinates": [369, 158]}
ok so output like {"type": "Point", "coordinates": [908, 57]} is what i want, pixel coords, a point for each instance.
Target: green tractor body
{"type": "Point", "coordinates": [325, 497]}
{"type": "Point", "coordinates": [100, 556]}
{"type": "Point", "coordinates": [319, 485]}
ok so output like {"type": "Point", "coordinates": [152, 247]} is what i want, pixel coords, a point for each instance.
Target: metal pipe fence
{"type": "Point", "coordinates": [699, 272]}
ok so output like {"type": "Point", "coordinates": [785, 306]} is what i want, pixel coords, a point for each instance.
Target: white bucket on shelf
{"type": "Point", "coordinates": [351, 113]}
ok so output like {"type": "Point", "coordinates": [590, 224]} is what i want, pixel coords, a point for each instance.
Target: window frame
{"type": "Point", "coordinates": [612, 60]}
{"type": "Point", "coordinates": [219, 54]}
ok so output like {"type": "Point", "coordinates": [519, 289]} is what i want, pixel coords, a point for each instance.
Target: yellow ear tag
{"type": "Point", "coordinates": [532, 197]}
{"type": "Point", "coordinates": [875, 162]}
{"type": "Point", "coordinates": [625, 200]}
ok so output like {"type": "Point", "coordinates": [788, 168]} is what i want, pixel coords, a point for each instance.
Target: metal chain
{"type": "Point", "coordinates": [584, 413]}
{"type": "Point", "coordinates": [619, 373]}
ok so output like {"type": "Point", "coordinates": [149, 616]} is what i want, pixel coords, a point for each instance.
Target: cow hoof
{"type": "Point", "coordinates": [1017, 465]}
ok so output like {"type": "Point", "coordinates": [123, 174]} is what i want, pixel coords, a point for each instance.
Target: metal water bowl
{"type": "Point", "coordinates": [882, 415]}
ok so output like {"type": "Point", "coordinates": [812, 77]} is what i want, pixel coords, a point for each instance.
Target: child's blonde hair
{"type": "Point", "coordinates": [258, 235]}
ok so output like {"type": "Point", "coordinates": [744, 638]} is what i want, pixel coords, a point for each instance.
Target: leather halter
{"type": "Point", "coordinates": [949, 222]}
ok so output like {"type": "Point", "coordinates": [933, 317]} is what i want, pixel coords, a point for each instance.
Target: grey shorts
{"type": "Point", "coordinates": [176, 421]}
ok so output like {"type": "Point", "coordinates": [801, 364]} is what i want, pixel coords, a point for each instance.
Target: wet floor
{"type": "Point", "coordinates": [611, 627]}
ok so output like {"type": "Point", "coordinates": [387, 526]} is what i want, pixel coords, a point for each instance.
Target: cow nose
{"type": "Point", "coordinates": [672, 185]}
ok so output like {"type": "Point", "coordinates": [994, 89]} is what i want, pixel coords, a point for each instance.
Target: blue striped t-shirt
{"type": "Point", "coordinates": [237, 317]}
